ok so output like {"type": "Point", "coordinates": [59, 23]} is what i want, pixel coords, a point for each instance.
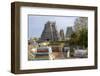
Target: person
{"type": "Point", "coordinates": [35, 44]}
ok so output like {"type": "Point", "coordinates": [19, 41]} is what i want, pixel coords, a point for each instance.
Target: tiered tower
{"type": "Point", "coordinates": [50, 32]}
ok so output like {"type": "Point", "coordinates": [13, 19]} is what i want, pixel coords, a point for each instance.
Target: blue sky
{"type": "Point", "coordinates": [36, 23]}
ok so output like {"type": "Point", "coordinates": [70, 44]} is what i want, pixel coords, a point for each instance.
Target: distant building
{"type": "Point", "coordinates": [49, 32]}
{"type": "Point", "coordinates": [69, 32]}
{"type": "Point", "coordinates": [62, 37]}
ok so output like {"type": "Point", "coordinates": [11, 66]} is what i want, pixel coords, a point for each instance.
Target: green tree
{"type": "Point", "coordinates": [79, 38]}
{"type": "Point", "coordinates": [35, 39]}
{"type": "Point", "coordinates": [73, 39]}
{"type": "Point", "coordinates": [83, 38]}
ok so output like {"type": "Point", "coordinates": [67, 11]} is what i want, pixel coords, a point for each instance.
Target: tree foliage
{"type": "Point", "coordinates": [79, 38]}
